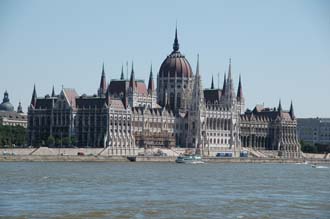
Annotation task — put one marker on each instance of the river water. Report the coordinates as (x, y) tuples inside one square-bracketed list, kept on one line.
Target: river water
[(162, 190)]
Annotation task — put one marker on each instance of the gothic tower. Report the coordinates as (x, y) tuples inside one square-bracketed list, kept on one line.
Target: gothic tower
[(151, 89), (132, 90), (196, 114), (229, 93), (240, 98)]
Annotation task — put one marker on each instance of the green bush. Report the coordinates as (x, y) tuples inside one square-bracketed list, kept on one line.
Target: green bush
[(58, 141), (309, 149), (66, 141), (51, 141), (73, 141)]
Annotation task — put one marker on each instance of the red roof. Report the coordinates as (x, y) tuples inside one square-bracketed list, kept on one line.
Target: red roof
[(141, 88), (71, 95)]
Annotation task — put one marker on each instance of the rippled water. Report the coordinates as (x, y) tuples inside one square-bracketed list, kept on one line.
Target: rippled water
[(163, 190)]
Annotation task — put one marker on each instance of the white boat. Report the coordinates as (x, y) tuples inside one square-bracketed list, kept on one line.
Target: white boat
[(319, 167), (193, 159), (304, 163)]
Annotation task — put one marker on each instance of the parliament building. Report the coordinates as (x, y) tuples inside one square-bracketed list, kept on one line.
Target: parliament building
[(128, 114)]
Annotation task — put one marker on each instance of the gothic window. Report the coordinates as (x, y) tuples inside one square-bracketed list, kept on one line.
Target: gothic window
[(172, 100), (178, 100)]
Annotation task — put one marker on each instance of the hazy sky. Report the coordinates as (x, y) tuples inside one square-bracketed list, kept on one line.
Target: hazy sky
[(281, 48)]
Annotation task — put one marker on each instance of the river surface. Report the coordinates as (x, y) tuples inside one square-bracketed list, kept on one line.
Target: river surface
[(162, 190)]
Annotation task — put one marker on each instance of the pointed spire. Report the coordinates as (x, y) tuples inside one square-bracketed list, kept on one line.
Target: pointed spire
[(229, 90), (122, 73), (197, 92), (103, 83), (103, 73), (292, 111), (239, 90), (279, 108), (176, 41), (197, 67), (212, 83), (34, 97), (53, 92), (132, 80), (151, 85), (229, 70), (224, 84)]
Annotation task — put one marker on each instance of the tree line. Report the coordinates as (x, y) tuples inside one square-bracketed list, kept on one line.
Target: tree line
[(16, 136), (12, 136), (314, 148)]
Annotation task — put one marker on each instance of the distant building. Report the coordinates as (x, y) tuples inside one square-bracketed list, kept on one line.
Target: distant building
[(314, 130), (8, 116), (126, 114)]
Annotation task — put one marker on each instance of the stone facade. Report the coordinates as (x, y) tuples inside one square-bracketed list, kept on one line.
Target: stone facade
[(153, 127), (127, 114), (266, 129), (52, 116)]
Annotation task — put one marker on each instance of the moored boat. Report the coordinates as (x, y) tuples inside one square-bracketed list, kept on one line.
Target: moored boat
[(191, 158)]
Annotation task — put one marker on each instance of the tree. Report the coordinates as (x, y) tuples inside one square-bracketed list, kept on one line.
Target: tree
[(51, 141), (66, 141), (309, 149), (73, 141), (12, 135), (58, 142)]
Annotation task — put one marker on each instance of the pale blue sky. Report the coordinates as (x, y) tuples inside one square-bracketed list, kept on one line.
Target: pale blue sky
[(281, 48)]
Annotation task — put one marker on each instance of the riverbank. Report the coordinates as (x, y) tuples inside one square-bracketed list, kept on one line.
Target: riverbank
[(59, 158), (72, 158), (103, 155)]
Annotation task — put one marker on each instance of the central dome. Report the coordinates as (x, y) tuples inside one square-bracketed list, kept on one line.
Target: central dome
[(175, 63)]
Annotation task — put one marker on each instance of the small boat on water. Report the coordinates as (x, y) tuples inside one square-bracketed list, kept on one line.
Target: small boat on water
[(319, 167), (304, 163), (191, 158)]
